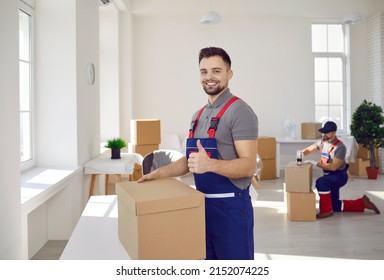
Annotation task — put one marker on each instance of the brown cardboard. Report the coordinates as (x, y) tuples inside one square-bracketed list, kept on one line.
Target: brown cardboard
[(364, 153), (267, 147), (161, 220), (137, 173), (301, 206), (268, 171), (298, 178), (142, 149), (310, 130), (357, 168), (145, 132)]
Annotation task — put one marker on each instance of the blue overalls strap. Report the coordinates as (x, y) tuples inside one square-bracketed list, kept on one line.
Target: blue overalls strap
[(214, 121)]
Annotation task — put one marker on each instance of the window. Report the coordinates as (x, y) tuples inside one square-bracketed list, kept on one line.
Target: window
[(329, 74), (26, 85)]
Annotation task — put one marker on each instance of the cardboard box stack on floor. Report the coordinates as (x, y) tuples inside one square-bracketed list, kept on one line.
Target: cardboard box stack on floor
[(310, 130), (161, 220), (357, 168), (145, 137), (300, 198), (267, 153)]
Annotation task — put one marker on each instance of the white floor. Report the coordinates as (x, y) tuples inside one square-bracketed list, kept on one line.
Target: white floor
[(343, 236)]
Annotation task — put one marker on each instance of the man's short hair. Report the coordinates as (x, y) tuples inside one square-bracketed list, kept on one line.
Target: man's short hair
[(215, 51)]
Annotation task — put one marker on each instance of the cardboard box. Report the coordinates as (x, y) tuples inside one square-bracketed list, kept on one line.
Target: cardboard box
[(137, 173), (364, 153), (310, 130), (301, 206), (268, 171), (357, 168), (298, 178), (142, 149), (145, 132), (161, 220), (267, 147)]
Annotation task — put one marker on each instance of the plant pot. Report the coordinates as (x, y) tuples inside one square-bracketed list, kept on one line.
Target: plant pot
[(372, 172), (115, 154)]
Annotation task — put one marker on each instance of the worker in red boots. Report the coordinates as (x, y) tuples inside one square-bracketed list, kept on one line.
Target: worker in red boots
[(335, 176)]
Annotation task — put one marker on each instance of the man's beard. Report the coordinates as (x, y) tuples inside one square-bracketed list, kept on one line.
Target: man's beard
[(326, 138), (214, 91)]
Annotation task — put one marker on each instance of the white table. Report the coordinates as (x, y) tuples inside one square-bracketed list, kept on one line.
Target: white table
[(96, 234), (103, 164), (286, 151), (351, 145)]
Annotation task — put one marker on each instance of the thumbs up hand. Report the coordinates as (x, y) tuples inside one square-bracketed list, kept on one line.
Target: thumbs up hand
[(199, 162), (200, 147)]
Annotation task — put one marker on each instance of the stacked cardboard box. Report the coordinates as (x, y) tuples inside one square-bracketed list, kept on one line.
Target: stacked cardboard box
[(267, 153), (161, 220), (145, 138), (145, 134), (310, 130), (300, 198), (357, 168)]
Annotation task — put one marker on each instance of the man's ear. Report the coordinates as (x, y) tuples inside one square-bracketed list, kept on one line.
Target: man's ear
[(230, 74)]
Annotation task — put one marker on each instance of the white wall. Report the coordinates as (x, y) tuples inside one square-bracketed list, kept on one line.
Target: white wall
[(109, 73), (271, 62), (125, 71), (268, 41), (10, 207), (68, 107), (115, 70), (67, 113), (87, 95), (56, 83)]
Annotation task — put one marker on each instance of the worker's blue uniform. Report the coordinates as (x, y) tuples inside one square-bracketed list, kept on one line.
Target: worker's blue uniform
[(229, 212)]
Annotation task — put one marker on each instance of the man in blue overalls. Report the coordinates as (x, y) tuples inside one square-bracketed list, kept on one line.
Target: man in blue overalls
[(335, 168), (221, 153)]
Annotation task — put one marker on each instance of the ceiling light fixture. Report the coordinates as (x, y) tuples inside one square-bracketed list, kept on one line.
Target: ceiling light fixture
[(353, 18), (210, 17)]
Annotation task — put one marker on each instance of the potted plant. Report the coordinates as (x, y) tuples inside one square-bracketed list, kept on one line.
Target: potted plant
[(116, 144), (368, 129)]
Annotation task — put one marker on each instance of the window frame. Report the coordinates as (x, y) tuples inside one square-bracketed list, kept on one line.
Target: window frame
[(344, 56), (27, 164)]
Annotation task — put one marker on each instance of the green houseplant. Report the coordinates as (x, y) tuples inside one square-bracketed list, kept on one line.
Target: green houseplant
[(116, 144), (368, 129)]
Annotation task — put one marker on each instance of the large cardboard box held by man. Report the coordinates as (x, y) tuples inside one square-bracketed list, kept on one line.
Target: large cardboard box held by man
[(161, 220)]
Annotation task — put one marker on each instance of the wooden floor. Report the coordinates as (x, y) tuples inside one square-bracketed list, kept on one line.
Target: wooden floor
[(343, 236)]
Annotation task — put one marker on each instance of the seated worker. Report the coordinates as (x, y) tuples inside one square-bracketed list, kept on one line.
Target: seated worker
[(335, 176)]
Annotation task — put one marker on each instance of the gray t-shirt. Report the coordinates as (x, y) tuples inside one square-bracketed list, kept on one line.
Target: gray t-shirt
[(239, 122), (339, 151)]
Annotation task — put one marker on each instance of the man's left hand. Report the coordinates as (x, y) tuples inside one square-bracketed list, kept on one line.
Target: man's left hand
[(198, 162)]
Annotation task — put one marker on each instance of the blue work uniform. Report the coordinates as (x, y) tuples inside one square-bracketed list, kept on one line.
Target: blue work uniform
[(229, 212), (332, 181)]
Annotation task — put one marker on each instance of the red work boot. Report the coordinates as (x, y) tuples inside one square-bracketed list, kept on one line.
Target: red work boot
[(368, 204), (325, 204), (356, 205)]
